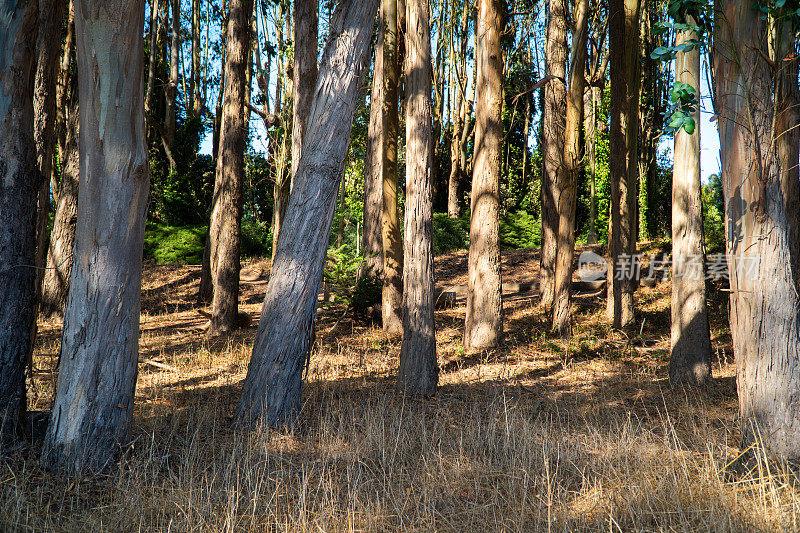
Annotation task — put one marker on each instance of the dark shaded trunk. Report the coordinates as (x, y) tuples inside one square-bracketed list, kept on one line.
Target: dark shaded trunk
[(419, 370), (273, 387), (460, 111), (226, 215), (99, 348), (484, 320), (20, 181), (690, 341), (624, 50)]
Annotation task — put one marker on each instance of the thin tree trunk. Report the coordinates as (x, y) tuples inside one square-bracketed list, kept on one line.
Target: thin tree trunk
[(20, 181), (60, 253), (99, 349), (484, 321), (171, 88), (459, 119), (195, 101), (419, 370), (623, 43), (554, 114), (690, 360), (151, 66), (392, 299), (765, 307), (562, 301), (226, 215), (371, 239), (273, 387)]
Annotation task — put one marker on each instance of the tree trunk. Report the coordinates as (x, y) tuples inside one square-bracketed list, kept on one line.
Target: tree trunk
[(60, 253), (484, 321), (554, 114), (20, 179), (419, 370), (171, 88), (392, 299), (99, 349), (371, 239), (459, 120), (305, 70), (272, 389), (765, 307), (562, 300), (226, 215), (195, 100), (624, 49), (690, 360), (151, 64)]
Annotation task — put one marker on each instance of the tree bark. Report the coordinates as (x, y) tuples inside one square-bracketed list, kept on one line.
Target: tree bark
[(305, 71), (457, 156), (371, 239), (419, 370), (273, 387), (392, 298), (226, 216), (554, 114), (99, 349), (60, 252), (484, 321), (562, 300), (624, 49), (690, 341), (765, 307), (20, 181)]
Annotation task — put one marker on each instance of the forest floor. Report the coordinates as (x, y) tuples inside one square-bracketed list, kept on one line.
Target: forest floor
[(543, 434)]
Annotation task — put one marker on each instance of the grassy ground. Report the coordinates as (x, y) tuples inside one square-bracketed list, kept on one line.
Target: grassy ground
[(544, 434)]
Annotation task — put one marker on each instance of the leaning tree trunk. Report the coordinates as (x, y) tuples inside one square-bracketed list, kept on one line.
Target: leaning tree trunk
[(392, 231), (562, 299), (371, 239), (419, 370), (305, 70), (690, 359), (55, 284), (99, 349), (226, 215), (554, 114), (273, 387), (484, 321), (765, 307), (20, 181), (623, 47)]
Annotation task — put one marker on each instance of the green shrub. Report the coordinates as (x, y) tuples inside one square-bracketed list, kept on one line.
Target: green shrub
[(172, 244), (519, 229), (450, 234), (713, 216), (256, 238)]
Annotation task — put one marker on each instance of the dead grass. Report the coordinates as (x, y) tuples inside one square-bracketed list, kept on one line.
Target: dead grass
[(543, 435)]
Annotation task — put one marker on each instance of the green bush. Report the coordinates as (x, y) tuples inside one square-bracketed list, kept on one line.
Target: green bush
[(450, 234), (519, 229), (713, 215), (174, 244), (256, 238)]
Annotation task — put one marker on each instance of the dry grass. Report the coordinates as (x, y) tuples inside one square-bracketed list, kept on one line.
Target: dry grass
[(544, 435)]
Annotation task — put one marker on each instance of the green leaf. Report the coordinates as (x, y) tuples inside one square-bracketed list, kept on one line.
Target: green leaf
[(689, 125)]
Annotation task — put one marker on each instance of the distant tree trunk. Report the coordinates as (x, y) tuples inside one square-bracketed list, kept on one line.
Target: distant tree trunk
[(151, 64), (459, 120), (283, 179), (392, 231), (554, 114), (272, 389), (99, 349), (371, 239), (171, 88), (226, 215), (484, 322), (20, 181), (624, 51), (765, 307), (690, 360), (562, 300), (60, 253), (195, 99), (305, 70), (419, 370)]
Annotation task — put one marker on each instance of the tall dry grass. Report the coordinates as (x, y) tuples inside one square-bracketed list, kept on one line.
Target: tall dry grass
[(541, 436)]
